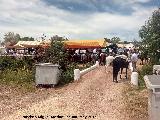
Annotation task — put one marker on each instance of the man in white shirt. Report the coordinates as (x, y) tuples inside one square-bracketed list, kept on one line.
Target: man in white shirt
[(134, 59)]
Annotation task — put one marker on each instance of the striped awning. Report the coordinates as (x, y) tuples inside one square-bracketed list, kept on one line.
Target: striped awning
[(85, 43), (28, 43)]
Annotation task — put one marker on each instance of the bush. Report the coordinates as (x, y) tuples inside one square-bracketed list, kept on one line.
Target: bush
[(67, 76), (22, 78), (8, 62), (16, 72), (146, 70)]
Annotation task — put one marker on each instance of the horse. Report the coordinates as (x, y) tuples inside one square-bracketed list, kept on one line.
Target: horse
[(102, 59), (124, 64), (118, 64)]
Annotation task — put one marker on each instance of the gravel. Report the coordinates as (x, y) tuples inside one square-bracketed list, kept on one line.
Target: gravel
[(94, 96)]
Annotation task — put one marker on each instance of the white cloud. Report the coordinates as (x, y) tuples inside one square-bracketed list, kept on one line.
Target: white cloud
[(129, 2), (32, 18)]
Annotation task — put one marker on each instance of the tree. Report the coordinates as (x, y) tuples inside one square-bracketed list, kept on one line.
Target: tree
[(56, 52), (58, 38), (125, 42), (136, 43), (115, 40), (11, 38), (150, 35), (27, 39), (107, 40)]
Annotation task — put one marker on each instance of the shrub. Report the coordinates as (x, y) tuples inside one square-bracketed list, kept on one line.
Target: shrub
[(16, 72), (8, 62), (22, 78), (146, 70), (67, 75), (56, 52)]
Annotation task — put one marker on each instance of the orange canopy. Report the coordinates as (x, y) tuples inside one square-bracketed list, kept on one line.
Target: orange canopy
[(85, 43)]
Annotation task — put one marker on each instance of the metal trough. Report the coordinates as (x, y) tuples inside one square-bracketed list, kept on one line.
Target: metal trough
[(153, 84), (47, 74)]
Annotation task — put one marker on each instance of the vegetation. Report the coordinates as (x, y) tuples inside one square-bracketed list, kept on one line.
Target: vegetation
[(150, 44), (146, 70), (150, 36), (115, 40), (19, 73), (11, 38), (27, 39), (22, 78), (56, 54), (136, 102)]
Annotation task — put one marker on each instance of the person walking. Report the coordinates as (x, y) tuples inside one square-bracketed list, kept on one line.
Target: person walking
[(134, 59)]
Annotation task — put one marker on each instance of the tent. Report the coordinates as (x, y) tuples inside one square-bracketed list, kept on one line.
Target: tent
[(27, 44), (121, 45), (18, 46), (130, 45), (85, 44)]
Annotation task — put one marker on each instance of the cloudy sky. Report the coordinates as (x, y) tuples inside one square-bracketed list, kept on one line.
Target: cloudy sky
[(75, 19)]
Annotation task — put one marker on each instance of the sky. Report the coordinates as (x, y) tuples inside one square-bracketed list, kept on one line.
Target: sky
[(75, 19)]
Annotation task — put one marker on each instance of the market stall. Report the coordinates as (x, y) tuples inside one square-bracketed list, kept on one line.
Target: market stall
[(76, 44)]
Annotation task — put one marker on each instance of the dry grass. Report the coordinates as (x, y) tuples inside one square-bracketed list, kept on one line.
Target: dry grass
[(135, 99), (136, 107)]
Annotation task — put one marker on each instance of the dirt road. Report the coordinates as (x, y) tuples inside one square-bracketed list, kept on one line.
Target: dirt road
[(94, 97)]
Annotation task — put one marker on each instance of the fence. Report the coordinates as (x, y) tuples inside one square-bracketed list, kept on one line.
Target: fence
[(78, 73)]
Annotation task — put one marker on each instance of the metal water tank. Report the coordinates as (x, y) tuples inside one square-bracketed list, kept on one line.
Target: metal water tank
[(47, 73)]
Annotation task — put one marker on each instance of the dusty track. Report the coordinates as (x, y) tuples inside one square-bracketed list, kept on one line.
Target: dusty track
[(94, 95)]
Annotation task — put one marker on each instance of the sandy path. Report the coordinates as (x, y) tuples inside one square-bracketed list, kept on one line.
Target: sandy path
[(94, 95)]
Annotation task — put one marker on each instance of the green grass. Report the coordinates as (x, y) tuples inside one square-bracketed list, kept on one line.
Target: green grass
[(146, 70), (22, 79)]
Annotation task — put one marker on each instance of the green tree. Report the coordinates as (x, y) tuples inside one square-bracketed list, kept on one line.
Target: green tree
[(11, 38), (136, 43), (150, 35), (115, 40), (56, 52), (27, 39), (107, 40), (125, 42)]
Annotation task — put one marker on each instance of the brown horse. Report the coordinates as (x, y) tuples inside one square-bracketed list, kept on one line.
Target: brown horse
[(102, 59)]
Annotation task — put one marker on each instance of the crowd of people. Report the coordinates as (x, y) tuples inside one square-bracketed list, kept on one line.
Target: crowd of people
[(118, 57)]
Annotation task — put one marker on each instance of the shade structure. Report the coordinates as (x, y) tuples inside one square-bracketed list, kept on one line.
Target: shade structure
[(121, 45), (18, 46), (129, 46), (85, 43), (28, 43)]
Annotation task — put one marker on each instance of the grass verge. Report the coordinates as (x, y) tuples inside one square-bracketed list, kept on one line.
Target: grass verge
[(19, 78), (136, 100)]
